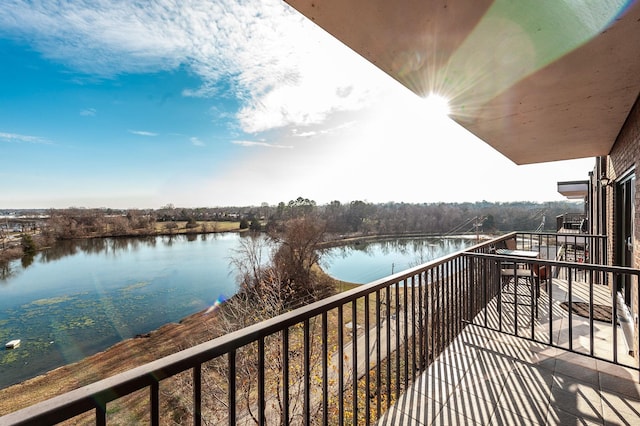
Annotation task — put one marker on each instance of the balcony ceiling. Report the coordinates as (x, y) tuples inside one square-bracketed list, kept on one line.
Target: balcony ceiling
[(538, 81)]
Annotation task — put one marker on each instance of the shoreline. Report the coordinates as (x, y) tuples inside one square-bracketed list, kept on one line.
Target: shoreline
[(14, 252), (141, 349), (125, 355), (122, 356)]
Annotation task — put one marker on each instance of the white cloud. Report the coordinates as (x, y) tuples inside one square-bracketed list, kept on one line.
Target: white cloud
[(142, 133), (17, 138), (277, 59), (304, 134), (402, 154), (196, 142), (88, 112), (261, 144)]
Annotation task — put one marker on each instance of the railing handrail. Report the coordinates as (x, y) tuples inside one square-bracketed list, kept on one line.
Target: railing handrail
[(564, 234), (574, 265)]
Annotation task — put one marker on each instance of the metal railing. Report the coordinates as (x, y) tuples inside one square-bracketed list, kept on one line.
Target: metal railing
[(341, 360), (570, 221), (581, 248), (572, 308), (305, 364)]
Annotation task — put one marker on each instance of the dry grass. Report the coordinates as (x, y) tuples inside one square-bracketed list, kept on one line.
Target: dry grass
[(120, 357), (211, 226), (126, 355)]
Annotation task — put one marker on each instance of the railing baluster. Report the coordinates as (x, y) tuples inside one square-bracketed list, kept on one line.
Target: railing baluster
[(413, 328), (591, 339), (429, 302), (499, 273), (614, 317), (469, 288), (340, 366), (388, 358), (637, 287), (439, 313), (515, 298), (231, 362), (307, 372), (261, 383), (285, 376), (367, 361), (378, 356), (485, 296), (101, 413), (354, 361), (405, 340), (197, 395), (458, 296), (435, 305), (534, 301), (325, 369), (550, 305), (154, 391), (570, 291), (397, 333), (450, 308), (421, 324)]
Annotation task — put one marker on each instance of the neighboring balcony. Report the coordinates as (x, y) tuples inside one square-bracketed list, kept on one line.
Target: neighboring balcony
[(477, 337)]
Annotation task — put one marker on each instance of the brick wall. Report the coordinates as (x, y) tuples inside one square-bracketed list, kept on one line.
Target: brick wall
[(624, 156)]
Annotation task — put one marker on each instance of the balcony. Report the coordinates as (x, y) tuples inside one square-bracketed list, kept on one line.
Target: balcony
[(474, 337)]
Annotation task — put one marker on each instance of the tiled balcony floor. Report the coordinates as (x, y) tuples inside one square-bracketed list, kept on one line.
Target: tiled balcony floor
[(490, 378)]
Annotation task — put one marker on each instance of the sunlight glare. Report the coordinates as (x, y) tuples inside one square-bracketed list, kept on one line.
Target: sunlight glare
[(437, 106)]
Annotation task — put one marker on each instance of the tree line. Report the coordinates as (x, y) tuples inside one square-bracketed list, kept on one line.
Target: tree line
[(352, 217)]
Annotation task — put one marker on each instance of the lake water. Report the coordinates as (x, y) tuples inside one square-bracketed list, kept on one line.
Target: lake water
[(81, 297), (368, 261)]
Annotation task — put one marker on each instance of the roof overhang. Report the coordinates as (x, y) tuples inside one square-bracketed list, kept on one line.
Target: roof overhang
[(538, 81), (577, 189)]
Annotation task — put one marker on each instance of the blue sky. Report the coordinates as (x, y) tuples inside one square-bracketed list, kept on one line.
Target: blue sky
[(215, 103)]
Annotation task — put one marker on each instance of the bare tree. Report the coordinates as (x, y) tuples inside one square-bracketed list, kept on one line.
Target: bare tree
[(298, 252)]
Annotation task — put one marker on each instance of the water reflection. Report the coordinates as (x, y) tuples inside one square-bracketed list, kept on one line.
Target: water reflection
[(363, 262), (6, 271), (80, 297)]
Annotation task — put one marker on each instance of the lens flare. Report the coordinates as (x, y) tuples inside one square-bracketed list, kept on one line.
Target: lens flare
[(437, 105), (219, 301)]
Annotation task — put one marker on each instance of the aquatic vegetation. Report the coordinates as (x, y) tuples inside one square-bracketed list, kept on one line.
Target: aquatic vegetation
[(135, 286), (51, 301)]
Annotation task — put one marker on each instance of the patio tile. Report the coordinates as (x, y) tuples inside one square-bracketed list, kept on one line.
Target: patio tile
[(450, 417), (412, 408), (536, 383), (503, 416), (472, 406), (491, 378), (434, 388), (619, 409), (492, 367), (558, 417), (580, 372), (485, 388), (580, 401), (617, 370), (539, 361), (445, 372), (527, 402), (627, 388), (578, 359), (457, 360)]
